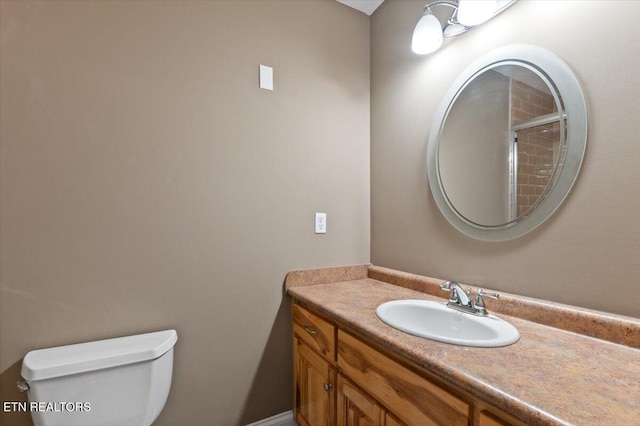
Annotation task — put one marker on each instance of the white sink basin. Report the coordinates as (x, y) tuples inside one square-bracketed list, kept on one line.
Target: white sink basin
[(436, 321)]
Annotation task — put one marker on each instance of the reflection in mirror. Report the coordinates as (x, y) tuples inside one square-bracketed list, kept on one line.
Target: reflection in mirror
[(539, 155), (501, 145)]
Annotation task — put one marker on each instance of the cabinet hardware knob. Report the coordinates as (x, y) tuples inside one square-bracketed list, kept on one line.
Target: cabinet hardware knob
[(327, 386), (310, 330)]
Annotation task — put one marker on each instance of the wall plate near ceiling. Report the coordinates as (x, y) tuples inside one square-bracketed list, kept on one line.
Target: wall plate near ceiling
[(364, 6)]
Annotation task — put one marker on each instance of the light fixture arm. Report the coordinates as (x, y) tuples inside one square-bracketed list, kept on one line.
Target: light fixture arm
[(441, 3), (454, 6)]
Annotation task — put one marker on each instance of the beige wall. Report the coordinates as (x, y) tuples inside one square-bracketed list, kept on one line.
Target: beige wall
[(147, 183), (587, 253)]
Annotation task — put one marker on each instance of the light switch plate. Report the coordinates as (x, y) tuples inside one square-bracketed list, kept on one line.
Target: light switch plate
[(321, 223), (266, 77)]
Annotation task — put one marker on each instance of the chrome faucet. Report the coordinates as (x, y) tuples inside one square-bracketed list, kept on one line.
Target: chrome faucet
[(460, 300)]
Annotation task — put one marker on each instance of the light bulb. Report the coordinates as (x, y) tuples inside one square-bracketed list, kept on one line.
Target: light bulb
[(427, 36), (475, 12), (454, 29)]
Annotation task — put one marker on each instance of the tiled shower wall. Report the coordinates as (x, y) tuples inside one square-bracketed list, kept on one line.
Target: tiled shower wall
[(537, 146)]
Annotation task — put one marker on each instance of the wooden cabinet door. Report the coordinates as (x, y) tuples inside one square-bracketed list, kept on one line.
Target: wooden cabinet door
[(314, 393), (355, 408), (392, 421)]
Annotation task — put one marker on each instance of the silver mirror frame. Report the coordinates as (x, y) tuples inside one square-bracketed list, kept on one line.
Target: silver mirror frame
[(570, 92)]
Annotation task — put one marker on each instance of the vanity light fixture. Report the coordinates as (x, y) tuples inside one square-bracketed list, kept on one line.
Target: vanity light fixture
[(428, 35)]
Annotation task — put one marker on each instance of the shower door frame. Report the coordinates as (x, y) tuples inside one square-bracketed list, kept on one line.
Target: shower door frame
[(513, 155)]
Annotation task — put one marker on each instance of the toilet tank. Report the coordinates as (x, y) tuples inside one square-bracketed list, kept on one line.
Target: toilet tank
[(114, 382)]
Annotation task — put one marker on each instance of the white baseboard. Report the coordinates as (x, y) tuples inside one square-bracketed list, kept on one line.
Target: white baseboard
[(282, 419)]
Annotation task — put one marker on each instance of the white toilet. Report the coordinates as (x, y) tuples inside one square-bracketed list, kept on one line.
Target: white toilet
[(115, 382)]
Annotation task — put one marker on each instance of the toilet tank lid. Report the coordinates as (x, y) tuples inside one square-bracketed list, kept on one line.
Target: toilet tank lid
[(60, 361)]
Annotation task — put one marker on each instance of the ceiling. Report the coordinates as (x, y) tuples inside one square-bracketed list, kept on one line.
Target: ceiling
[(364, 6)]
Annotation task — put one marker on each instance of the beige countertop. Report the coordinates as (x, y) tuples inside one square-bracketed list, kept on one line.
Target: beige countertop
[(550, 376)]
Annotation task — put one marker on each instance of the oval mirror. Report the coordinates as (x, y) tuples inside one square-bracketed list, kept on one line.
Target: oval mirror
[(507, 142)]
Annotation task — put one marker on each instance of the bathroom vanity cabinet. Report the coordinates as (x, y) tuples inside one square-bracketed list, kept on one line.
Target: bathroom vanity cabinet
[(342, 379), (570, 366)]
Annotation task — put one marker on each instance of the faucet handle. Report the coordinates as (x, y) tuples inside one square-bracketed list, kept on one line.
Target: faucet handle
[(478, 303), (453, 287), (447, 285), (458, 295), (482, 293)]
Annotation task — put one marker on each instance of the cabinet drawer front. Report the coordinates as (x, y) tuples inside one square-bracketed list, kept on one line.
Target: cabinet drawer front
[(314, 331), (412, 398)]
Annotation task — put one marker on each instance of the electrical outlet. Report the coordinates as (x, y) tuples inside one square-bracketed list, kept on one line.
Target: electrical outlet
[(321, 223)]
